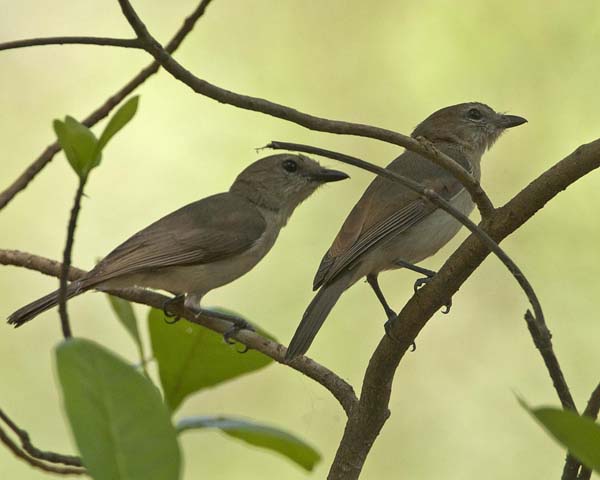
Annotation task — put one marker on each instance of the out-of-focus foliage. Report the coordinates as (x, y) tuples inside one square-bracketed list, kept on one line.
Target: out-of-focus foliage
[(387, 63), (120, 423), (579, 435), (263, 436), (191, 358)]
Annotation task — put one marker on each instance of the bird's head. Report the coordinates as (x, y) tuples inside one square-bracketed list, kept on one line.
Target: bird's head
[(473, 125), (281, 182)]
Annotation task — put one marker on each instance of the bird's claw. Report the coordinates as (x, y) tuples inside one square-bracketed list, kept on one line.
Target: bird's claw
[(424, 281), (167, 313), (388, 333), (235, 328)]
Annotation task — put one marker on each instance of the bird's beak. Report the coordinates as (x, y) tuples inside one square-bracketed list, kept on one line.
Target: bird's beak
[(327, 175), (509, 121)]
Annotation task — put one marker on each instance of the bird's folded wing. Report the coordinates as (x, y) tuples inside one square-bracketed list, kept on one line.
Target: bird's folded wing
[(343, 254), (203, 232)]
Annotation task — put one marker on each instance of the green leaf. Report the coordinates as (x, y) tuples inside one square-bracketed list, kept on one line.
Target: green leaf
[(124, 312), (191, 358), (118, 121), (259, 435), (121, 426), (580, 435), (79, 144)]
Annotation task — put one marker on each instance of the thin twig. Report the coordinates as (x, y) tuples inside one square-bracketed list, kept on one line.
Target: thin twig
[(101, 41), (62, 289), (101, 112), (34, 462), (440, 202), (311, 122), (339, 388), (35, 452)]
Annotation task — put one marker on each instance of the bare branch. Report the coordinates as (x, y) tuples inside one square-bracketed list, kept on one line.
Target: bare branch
[(339, 388), (311, 122), (35, 452), (101, 41), (370, 414), (62, 289), (48, 154)]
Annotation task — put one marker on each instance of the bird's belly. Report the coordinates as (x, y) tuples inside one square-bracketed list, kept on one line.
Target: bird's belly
[(420, 241)]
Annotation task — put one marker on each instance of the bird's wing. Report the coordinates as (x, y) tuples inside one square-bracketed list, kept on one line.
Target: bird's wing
[(202, 232), (385, 209)]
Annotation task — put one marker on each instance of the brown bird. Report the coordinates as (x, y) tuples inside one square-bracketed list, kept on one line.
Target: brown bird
[(393, 227), (208, 243)]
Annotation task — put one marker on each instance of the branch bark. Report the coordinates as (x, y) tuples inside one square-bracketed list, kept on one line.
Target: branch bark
[(369, 416), (100, 41), (35, 452), (340, 389), (101, 112)]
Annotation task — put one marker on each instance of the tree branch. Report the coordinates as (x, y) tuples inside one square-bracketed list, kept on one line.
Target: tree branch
[(101, 41), (13, 447), (311, 122), (51, 150), (62, 289), (35, 452), (367, 419), (341, 390)]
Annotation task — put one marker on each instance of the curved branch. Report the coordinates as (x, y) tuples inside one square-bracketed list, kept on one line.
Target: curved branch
[(36, 452), (370, 414), (101, 41), (311, 122), (340, 389), (51, 150)]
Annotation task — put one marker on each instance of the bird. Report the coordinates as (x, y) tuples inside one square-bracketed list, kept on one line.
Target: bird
[(208, 243), (393, 227)]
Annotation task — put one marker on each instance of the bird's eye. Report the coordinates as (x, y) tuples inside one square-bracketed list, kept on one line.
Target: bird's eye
[(474, 114), (290, 166)]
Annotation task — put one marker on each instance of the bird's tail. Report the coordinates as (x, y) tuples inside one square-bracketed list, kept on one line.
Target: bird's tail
[(33, 309), (315, 315)]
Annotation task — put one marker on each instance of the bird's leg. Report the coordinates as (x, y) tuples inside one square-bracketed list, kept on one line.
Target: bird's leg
[(372, 280), (423, 281), (192, 303), (167, 304)]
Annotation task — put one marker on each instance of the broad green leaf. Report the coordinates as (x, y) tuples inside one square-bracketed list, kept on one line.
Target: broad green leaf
[(580, 435), (79, 145), (259, 435), (191, 358), (118, 121), (124, 312), (121, 425)]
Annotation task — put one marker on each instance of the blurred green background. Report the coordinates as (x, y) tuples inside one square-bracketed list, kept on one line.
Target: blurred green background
[(387, 63)]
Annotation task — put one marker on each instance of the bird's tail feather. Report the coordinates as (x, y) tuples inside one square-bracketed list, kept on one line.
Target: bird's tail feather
[(314, 316), (33, 309)]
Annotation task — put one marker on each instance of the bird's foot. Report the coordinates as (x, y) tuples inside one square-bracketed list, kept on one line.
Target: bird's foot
[(424, 281), (238, 324), (388, 331), (165, 307)]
